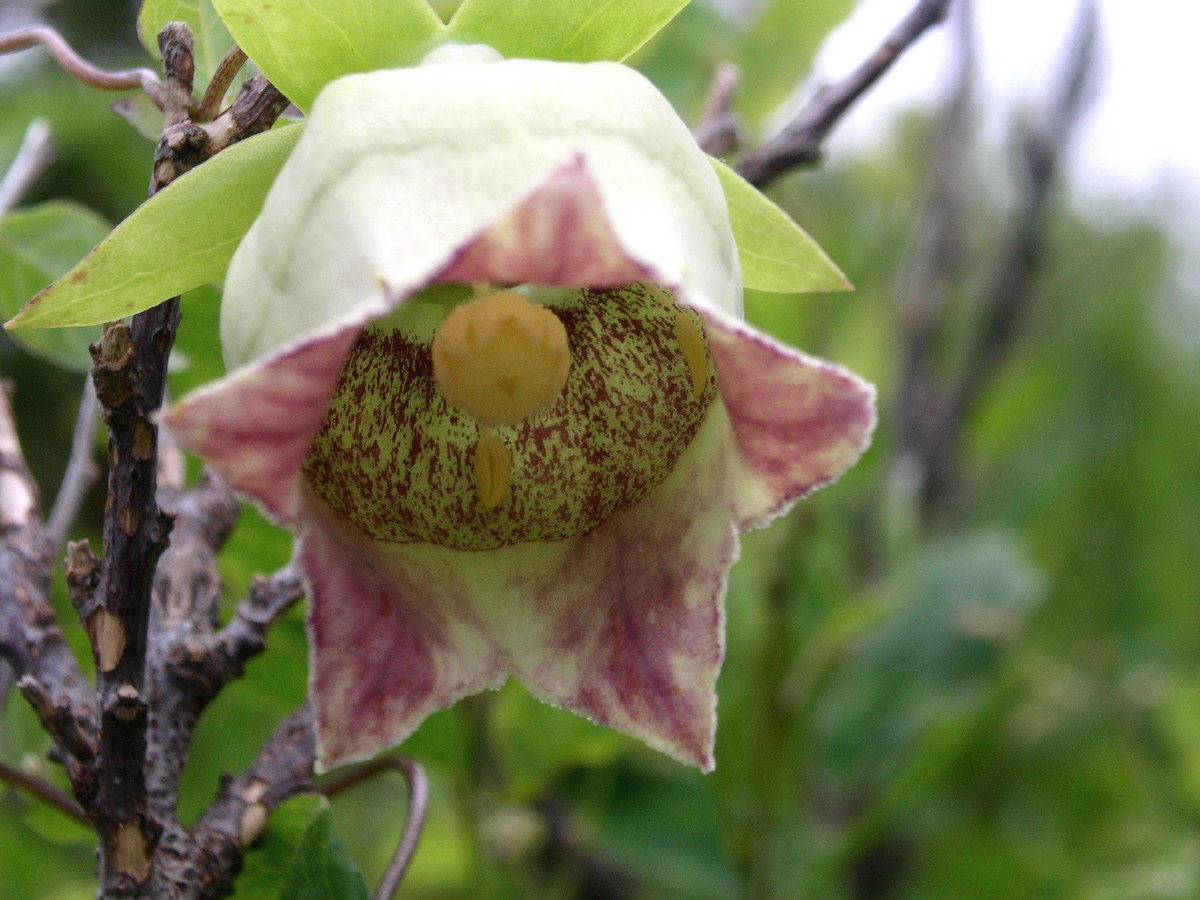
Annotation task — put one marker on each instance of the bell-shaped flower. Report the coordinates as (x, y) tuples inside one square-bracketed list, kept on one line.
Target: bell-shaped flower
[(486, 357)]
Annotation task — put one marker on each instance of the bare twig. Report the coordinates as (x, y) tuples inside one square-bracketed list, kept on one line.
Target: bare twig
[(43, 790), (414, 822), (34, 155), (255, 109), (130, 377), (79, 68), (81, 472), (799, 144)]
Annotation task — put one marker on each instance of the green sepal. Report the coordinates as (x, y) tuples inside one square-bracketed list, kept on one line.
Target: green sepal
[(180, 238), (301, 45), (776, 254), (37, 245), (579, 31)]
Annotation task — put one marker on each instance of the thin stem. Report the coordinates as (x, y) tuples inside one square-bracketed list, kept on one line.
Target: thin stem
[(79, 68), (219, 85), (418, 803), (81, 472), (44, 791), (34, 155)]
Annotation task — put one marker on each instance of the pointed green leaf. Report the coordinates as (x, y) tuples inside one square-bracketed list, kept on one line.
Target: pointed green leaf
[(38, 245), (181, 237), (578, 31), (212, 38), (773, 68), (301, 45), (300, 858), (777, 255)]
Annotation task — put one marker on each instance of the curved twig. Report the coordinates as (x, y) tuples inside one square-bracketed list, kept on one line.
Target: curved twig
[(418, 802), (79, 68)]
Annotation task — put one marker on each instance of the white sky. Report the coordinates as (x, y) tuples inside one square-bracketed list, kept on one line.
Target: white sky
[(1142, 137)]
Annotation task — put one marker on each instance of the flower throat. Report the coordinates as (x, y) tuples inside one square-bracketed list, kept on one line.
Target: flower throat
[(515, 421)]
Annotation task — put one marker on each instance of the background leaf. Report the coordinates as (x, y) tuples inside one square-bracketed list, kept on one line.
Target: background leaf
[(212, 39), (770, 76), (37, 245), (300, 858), (180, 238), (579, 31), (301, 46), (777, 255)]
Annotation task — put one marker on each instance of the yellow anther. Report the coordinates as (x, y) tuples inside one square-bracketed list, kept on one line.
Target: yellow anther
[(501, 358), (493, 470), (660, 295), (691, 342)]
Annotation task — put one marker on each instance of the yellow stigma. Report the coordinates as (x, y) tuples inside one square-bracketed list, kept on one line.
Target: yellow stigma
[(501, 358)]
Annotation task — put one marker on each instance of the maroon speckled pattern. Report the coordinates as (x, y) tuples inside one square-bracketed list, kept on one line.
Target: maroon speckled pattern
[(393, 457)]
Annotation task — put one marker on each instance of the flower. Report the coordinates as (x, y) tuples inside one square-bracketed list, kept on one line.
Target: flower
[(486, 357)]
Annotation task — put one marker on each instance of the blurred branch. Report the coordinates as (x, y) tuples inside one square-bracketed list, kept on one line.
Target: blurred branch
[(79, 68), (81, 472), (1044, 143), (720, 132), (935, 431), (936, 259), (414, 822), (35, 154), (799, 143), (43, 790)]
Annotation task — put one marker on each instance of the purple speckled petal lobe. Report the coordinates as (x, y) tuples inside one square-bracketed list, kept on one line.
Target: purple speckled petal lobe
[(623, 625), (798, 422), (389, 644), (256, 426), (632, 614)]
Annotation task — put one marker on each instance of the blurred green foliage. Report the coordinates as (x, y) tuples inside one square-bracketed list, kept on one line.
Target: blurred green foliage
[(998, 702)]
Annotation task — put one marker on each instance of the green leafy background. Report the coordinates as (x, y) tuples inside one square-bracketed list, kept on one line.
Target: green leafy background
[(1001, 701)]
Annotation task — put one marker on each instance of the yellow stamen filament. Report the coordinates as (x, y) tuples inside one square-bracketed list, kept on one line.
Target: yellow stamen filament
[(501, 358), (493, 470), (691, 342)]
